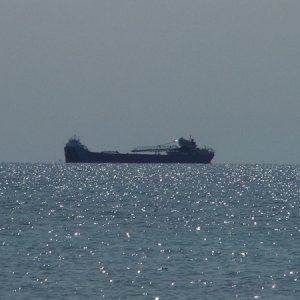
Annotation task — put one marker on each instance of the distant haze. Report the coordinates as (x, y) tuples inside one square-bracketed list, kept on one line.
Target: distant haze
[(122, 74)]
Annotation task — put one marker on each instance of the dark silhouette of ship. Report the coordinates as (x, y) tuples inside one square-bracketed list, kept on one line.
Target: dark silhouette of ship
[(179, 151)]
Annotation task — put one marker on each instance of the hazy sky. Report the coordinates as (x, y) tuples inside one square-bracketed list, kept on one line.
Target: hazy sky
[(124, 73)]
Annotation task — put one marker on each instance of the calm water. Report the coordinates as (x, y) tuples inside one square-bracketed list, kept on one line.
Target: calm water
[(149, 231)]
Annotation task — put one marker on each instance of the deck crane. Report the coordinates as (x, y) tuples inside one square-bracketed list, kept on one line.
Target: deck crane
[(179, 145)]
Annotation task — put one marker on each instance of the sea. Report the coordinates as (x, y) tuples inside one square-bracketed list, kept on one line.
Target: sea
[(149, 231)]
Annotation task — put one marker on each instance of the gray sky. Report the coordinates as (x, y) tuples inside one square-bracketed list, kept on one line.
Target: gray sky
[(124, 73)]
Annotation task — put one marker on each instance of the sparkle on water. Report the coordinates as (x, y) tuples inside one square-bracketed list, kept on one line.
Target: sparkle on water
[(149, 231)]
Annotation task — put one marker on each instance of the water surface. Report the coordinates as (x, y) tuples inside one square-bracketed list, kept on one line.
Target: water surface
[(119, 231)]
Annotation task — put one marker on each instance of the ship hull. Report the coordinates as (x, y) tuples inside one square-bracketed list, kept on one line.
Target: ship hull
[(73, 155)]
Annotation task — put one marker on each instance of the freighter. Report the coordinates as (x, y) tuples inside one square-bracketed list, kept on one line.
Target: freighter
[(179, 151)]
